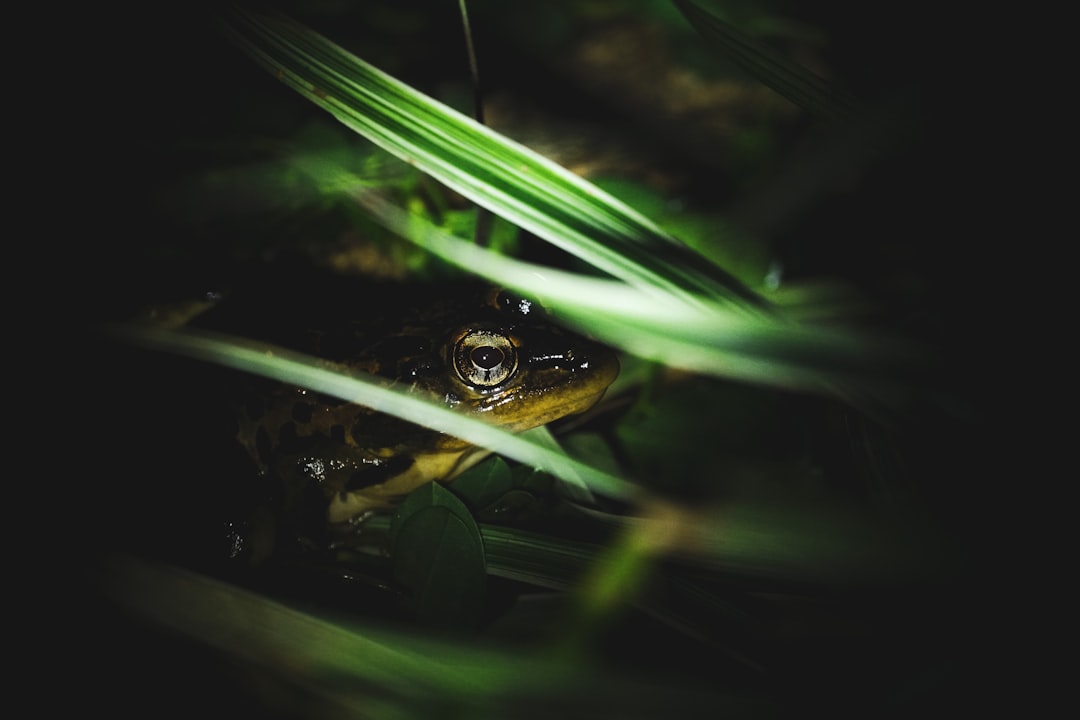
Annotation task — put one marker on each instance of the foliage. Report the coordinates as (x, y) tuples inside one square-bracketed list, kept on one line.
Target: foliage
[(705, 502)]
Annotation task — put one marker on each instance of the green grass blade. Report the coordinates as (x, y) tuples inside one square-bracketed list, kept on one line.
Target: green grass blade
[(671, 305), (377, 672), (305, 371), (695, 334), (302, 645), (493, 171)]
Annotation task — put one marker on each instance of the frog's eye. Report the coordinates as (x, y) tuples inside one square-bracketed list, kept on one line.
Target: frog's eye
[(484, 358)]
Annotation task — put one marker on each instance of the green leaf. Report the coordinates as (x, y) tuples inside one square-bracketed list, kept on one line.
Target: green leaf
[(439, 555), (510, 508), (484, 484)]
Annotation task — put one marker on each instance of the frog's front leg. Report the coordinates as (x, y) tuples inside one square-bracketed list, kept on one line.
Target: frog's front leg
[(379, 483)]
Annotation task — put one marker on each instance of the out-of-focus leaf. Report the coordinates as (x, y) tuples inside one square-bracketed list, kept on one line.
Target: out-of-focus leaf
[(788, 78), (866, 127)]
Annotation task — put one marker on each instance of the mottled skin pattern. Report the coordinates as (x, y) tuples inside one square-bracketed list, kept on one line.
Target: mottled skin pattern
[(484, 353)]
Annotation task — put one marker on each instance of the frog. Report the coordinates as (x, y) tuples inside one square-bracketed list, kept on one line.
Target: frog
[(482, 351)]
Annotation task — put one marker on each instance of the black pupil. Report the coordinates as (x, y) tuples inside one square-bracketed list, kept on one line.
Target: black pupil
[(486, 357)]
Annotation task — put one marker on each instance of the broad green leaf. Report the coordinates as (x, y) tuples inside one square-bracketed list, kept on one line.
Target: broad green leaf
[(439, 556), (484, 484), (511, 507), (424, 498)]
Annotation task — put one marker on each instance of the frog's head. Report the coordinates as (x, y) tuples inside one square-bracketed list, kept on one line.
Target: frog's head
[(521, 377), (499, 358), (511, 365)]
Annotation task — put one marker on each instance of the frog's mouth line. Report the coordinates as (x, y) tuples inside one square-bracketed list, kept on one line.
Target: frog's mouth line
[(552, 412)]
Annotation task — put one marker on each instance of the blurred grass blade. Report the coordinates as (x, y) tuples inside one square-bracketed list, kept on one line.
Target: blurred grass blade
[(309, 372), (366, 671), (694, 334), (832, 544), (335, 658), (498, 174), (669, 306), (789, 79)]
